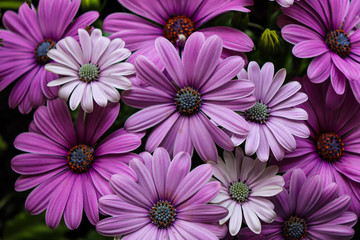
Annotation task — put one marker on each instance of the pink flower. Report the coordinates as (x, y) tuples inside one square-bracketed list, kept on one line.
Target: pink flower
[(166, 202), (91, 70), (189, 102)]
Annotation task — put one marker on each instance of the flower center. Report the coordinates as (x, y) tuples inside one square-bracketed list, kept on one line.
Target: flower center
[(41, 51), (338, 41), (162, 214), (80, 158), (188, 101), (89, 72), (178, 27), (259, 113), (239, 191), (330, 147), (294, 228)]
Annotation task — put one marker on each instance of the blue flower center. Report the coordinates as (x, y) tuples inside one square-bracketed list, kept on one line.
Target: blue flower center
[(294, 228), (80, 158), (178, 27), (239, 191), (41, 51), (259, 113), (338, 41), (162, 214), (330, 147), (188, 101), (89, 72)]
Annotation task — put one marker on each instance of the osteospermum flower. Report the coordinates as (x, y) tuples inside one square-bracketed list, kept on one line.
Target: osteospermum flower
[(91, 70), (333, 148), (68, 167), (181, 102), (274, 119), (167, 201), (176, 20), (307, 209), (245, 184), (326, 30), (28, 38)]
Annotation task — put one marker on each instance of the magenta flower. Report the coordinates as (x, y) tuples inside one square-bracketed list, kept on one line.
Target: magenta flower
[(308, 210), (90, 70), (245, 184), (190, 101), (28, 38), (175, 20), (274, 119), (326, 30), (333, 148), (68, 167), (167, 201)]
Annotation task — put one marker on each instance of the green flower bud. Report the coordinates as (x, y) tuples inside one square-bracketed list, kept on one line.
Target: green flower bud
[(270, 42)]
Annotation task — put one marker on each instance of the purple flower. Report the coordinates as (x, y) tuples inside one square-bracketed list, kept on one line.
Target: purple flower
[(333, 148), (166, 202), (176, 20), (68, 167), (308, 210), (28, 38), (274, 119), (180, 102), (245, 184), (325, 30), (90, 70)]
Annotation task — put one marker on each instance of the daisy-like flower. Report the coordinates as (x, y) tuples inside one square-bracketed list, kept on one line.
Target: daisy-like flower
[(167, 201), (68, 167), (274, 119), (27, 39), (190, 101), (333, 148), (326, 31), (91, 70), (285, 3), (307, 209), (245, 184), (176, 20)]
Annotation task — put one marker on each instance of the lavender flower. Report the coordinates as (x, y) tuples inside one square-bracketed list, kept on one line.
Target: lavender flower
[(332, 150), (90, 70), (167, 201), (245, 184), (325, 30), (176, 20), (68, 167), (185, 102), (307, 210), (274, 119), (28, 38)]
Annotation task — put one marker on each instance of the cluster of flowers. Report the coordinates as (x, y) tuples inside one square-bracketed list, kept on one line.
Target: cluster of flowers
[(196, 90)]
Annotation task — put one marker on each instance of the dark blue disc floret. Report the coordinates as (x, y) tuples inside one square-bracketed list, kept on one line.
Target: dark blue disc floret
[(162, 214), (338, 41), (188, 101), (294, 228), (329, 146), (41, 51), (80, 158)]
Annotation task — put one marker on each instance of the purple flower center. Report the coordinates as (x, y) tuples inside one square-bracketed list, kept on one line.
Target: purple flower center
[(338, 41), (259, 113), (41, 51), (188, 101), (80, 158), (89, 72), (330, 147), (162, 214), (239, 191), (177, 28), (294, 228)]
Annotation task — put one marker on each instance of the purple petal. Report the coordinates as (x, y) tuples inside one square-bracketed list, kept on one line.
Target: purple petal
[(74, 207), (295, 34), (282, 135), (118, 144), (113, 205), (190, 230), (310, 48), (142, 97), (90, 199), (160, 167), (338, 80), (204, 195), (182, 137), (119, 225), (319, 68), (212, 213), (309, 196), (82, 21), (253, 139)]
